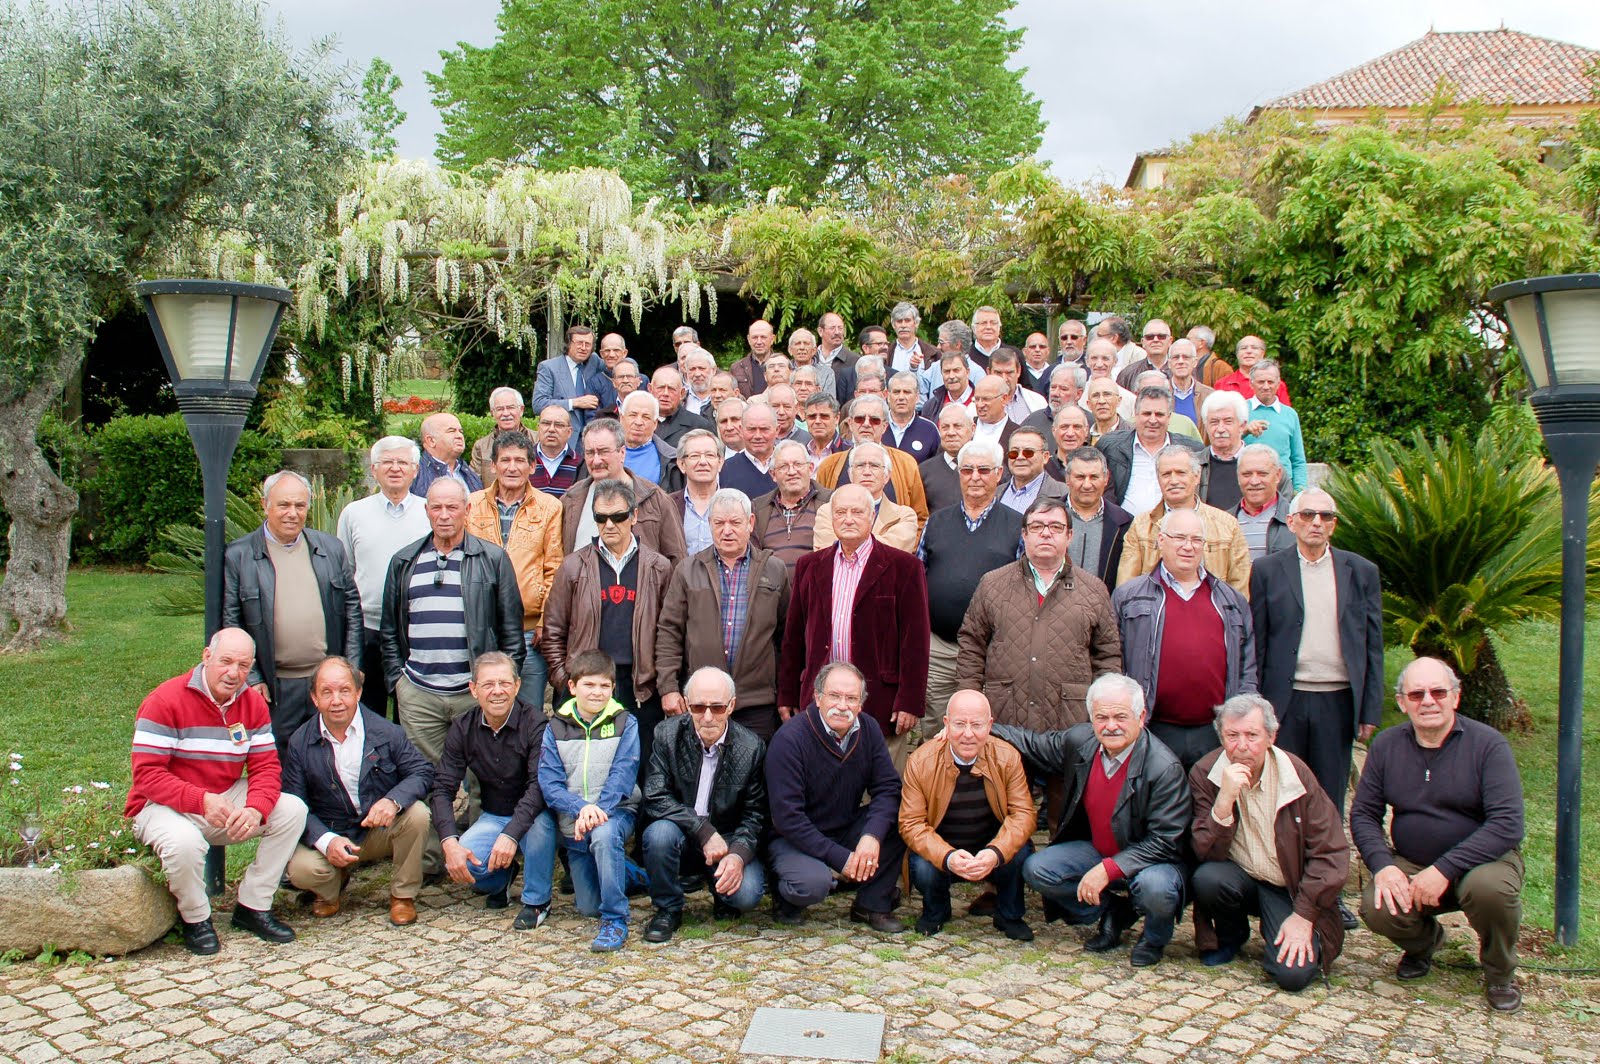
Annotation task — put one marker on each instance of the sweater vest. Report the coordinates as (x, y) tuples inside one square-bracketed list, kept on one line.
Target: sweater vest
[(956, 560)]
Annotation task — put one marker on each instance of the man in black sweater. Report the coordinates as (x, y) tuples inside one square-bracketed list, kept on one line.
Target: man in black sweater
[(1453, 844), (819, 765)]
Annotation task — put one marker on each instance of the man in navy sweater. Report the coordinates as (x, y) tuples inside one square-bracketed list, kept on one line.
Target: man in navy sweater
[(819, 765)]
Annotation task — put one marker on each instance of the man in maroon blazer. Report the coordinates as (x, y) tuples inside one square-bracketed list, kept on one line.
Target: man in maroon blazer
[(864, 602)]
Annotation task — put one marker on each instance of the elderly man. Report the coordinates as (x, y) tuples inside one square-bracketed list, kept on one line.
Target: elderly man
[(725, 608), (206, 773), (1271, 845), (940, 482), (959, 545), (1188, 394), (805, 385), (1132, 455), (698, 369), (1039, 630), (1275, 423), (989, 403), (700, 457), (822, 425), (613, 349), (802, 348), (956, 373), (1102, 398), (1064, 384), (751, 469), (831, 348), (1186, 639), (749, 373), (730, 424), (1223, 416), (443, 443), (723, 388), (866, 603), (1209, 367), (986, 337), (293, 590), (505, 407), (706, 782), (645, 454), (1249, 351), (1115, 853), (1453, 841), (666, 384), (447, 598), (525, 523), (1100, 362), (1099, 526), (869, 417), (820, 766), (1157, 339), (1178, 424), (363, 784), (786, 519), (371, 530), (917, 436), (656, 523), (908, 351), (1227, 556), (1020, 402), (1116, 331), (1072, 336), (1070, 430), (1263, 510), (556, 465), (892, 523), (1036, 364), (776, 370), (966, 813), (608, 595), (579, 381), (785, 404), (684, 336), (626, 378), (1026, 480)]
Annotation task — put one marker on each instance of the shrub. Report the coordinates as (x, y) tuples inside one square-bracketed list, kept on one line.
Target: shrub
[(1343, 414), (473, 426)]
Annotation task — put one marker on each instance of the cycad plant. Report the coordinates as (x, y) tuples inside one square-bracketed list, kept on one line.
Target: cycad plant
[(1467, 536)]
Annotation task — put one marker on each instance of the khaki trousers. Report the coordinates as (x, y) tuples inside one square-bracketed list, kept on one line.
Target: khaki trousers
[(426, 717), (182, 840), (941, 686), (900, 749), (1490, 895), (403, 840)]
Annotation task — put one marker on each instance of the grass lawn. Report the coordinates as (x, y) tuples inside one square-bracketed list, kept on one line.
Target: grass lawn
[(69, 710), (425, 387)]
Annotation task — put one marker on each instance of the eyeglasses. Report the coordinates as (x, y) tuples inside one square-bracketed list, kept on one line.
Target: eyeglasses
[(709, 709), (604, 452), (1327, 516), (1192, 541), (867, 464), (975, 470), (1055, 528), (1414, 698), (791, 467), (611, 519), (867, 419), (1021, 452), (395, 463), (1158, 336), (853, 701)]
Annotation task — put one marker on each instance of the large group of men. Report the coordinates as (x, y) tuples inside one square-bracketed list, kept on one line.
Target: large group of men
[(834, 619)]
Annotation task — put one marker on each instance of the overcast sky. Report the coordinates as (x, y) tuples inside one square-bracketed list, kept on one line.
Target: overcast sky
[(1107, 91)]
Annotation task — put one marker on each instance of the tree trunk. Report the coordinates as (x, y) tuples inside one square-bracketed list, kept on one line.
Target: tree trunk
[(33, 595), (1486, 693)]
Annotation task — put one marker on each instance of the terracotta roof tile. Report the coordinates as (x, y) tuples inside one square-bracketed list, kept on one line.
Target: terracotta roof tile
[(1497, 66)]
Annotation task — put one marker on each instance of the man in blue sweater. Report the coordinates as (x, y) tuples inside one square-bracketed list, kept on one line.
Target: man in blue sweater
[(819, 765)]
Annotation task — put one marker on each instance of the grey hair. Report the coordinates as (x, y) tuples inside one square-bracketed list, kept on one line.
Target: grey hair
[(1232, 400), (1240, 706), (1088, 418), (743, 406), (696, 354), (711, 672), (776, 359), (1161, 526), (1299, 497), (870, 364), (1090, 347), (979, 449), (986, 307), (1161, 382), (726, 497), (268, 484), (905, 310), (856, 404), (905, 375), (1400, 681), (490, 658), (685, 331), (394, 443), (808, 372), (1178, 450), (800, 330), (966, 415), (1262, 450), (216, 639), (615, 489), (862, 448), (628, 362), (701, 434), (634, 398), (1080, 376), (1265, 363), (957, 331), (504, 390), (832, 667), (1187, 343), (1205, 334), (790, 443), (667, 374), (1163, 394), (608, 425), (1115, 681)]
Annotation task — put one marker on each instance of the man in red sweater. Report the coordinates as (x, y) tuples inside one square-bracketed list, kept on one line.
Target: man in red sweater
[(205, 773)]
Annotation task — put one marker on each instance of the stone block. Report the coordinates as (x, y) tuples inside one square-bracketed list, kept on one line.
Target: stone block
[(112, 911)]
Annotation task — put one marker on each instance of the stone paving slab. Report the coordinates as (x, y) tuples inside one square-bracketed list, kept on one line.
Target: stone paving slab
[(461, 986)]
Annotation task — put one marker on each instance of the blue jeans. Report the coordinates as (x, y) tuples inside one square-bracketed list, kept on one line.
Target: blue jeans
[(934, 885), (670, 864), (1156, 892), (535, 673), (480, 839), (599, 865)]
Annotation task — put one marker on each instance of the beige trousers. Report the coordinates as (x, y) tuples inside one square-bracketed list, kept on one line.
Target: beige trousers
[(402, 840)]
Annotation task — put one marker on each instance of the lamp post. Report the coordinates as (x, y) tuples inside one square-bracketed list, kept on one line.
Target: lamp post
[(1556, 324), (214, 337)]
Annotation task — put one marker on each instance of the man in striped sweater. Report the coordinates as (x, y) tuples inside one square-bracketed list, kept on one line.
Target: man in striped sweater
[(205, 773)]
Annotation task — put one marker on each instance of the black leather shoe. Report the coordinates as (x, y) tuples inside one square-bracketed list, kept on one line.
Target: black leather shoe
[(662, 925), (497, 900), (261, 924), (1503, 997), (884, 923), (721, 910), (1145, 954), (1350, 920), (1109, 936), (1416, 965), (787, 914), (200, 938), (928, 925), (1015, 930)]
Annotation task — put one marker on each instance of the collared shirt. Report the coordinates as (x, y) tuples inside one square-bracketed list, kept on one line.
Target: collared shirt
[(959, 761), (1109, 764), (1023, 403), (897, 430), (735, 603), (1255, 528), (841, 741), (197, 682), (1171, 581), (1042, 581), (1144, 489), (505, 763), (847, 572), (1084, 547), (711, 757), (299, 538), (617, 562), (347, 763), (900, 357), (1019, 499), (1256, 812), (550, 464), (696, 524), (982, 430), (508, 514), (1183, 403)]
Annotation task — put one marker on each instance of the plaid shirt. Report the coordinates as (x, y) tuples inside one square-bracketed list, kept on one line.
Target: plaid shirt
[(735, 603), (846, 577)]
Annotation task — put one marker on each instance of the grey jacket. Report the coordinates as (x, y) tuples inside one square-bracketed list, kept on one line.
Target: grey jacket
[(249, 587), (1140, 606)]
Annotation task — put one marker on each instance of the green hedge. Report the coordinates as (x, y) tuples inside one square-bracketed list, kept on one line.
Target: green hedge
[(473, 426)]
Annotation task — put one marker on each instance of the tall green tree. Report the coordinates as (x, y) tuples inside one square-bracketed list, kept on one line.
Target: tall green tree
[(714, 100), (380, 115), (135, 134)]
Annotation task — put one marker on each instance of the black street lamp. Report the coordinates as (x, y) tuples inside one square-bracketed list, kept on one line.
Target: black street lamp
[(1556, 324), (214, 336)]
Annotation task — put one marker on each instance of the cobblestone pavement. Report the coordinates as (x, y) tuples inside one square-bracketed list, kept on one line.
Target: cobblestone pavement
[(461, 986)]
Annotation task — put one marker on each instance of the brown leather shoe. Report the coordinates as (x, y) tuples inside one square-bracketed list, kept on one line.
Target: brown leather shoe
[(322, 909), (402, 911), (1504, 997)]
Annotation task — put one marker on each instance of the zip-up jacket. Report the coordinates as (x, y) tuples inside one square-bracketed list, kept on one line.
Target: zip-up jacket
[(590, 763)]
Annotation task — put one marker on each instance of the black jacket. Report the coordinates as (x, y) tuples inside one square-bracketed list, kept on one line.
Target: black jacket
[(1153, 811), (391, 768), (672, 429), (1118, 449), (738, 790), (489, 595), (249, 584)]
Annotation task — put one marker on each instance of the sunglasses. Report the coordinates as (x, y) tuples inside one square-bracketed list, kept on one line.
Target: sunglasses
[(709, 709), (975, 470), (611, 519), (1158, 336), (867, 419), (1414, 698), (1328, 516), (438, 578), (1021, 452)]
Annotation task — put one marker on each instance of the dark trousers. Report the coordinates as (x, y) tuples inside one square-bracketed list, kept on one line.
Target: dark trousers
[(374, 691), (800, 879), (291, 707), (1491, 896), (1189, 743), (1319, 728), (1230, 898), (934, 885), (763, 720), (646, 715)]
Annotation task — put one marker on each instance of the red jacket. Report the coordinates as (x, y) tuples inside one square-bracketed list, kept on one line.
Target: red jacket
[(888, 633), (182, 749)]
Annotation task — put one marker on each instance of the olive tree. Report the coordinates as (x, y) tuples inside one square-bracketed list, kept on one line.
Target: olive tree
[(136, 134)]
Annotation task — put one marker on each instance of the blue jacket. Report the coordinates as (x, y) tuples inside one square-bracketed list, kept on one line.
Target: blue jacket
[(553, 383), (391, 767), (430, 469)]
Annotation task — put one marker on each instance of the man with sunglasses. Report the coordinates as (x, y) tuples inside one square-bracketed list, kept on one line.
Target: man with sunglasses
[(1026, 480), (1072, 340), (1156, 339), (1453, 844), (1318, 615), (705, 782)]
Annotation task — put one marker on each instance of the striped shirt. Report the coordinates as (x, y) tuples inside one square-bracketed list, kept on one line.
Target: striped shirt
[(735, 603), (1255, 528), (847, 572), (440, 660)]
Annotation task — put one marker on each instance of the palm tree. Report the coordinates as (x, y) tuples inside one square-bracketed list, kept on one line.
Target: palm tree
[(1467, 536)]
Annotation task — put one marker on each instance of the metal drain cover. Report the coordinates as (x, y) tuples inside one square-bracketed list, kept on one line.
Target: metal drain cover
[(814, 1033)]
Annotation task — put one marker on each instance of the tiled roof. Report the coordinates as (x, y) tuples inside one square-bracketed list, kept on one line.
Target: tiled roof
[(1497, 66)]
